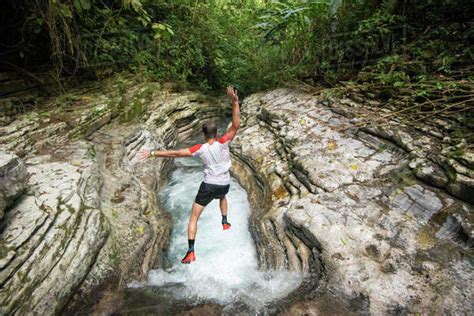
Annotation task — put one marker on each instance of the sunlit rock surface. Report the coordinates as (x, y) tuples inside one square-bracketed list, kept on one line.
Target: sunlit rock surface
[(370, 212)]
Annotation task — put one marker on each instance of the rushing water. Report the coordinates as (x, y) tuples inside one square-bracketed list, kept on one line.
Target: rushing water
[(226, 270)]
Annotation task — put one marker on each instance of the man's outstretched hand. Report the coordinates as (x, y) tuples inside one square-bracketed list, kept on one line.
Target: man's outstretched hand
[(232, 93), (144, 154)]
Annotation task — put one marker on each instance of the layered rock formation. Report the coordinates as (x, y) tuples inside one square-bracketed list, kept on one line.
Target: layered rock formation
[(87, 218), (378, 224), (379, 217)]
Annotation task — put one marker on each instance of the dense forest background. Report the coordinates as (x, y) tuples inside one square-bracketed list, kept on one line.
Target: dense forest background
[(417, 48)]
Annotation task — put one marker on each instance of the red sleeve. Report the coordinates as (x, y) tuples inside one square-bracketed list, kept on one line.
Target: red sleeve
[(195, 148), (225, 138)]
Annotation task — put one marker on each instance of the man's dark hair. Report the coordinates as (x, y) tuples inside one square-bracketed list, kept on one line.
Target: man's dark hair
[(209, 130)]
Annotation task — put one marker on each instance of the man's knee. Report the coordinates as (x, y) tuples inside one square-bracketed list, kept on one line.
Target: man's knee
[(196, 210)]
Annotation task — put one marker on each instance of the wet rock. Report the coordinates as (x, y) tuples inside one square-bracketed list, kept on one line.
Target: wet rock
[(456, 229), (462, 187), (429, 172), (421, 203), (12, 180)]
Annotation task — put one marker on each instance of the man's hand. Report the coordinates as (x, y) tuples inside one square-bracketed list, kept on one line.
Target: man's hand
[(144, 154), (232, 93)]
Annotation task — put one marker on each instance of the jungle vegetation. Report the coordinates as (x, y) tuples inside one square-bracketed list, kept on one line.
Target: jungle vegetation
[(416, 49)]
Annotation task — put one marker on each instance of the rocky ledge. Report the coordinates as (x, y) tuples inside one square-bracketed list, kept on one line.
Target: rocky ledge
[(79, 212), (379, 217)]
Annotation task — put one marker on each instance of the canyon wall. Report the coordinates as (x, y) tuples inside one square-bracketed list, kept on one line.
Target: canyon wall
[(80, 211), (372, 214)]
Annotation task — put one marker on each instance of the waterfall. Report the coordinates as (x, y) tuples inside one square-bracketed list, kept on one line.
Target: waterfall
[(226, 270)]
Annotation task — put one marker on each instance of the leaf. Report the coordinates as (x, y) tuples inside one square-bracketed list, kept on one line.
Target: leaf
[(137, 5), (66, 11), (158, 26), (86, 4), (77, 5), (219, 61), (76, 163), (332, 145)]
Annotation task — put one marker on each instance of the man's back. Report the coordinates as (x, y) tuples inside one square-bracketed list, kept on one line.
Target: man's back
[(216, 160)]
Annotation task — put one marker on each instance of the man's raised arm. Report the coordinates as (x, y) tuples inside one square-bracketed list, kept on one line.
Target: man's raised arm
[(235, 112)]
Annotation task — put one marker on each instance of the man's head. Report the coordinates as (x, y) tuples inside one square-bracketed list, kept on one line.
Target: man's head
[(209, 130)]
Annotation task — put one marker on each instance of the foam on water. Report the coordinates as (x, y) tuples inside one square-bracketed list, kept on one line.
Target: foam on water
[(226, 269)]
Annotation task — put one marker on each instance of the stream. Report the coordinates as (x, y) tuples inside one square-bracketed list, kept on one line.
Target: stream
[(226, 271)]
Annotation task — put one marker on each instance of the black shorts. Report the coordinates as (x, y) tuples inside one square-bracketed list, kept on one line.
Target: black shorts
[(207, 192)]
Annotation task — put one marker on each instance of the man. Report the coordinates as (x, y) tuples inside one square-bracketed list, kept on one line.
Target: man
[(215, 156)]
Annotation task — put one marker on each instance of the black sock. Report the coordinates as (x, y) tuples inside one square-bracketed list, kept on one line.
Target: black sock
[(224, 219), (191, 245)]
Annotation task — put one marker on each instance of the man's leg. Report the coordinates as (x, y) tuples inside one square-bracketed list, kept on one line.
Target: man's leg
[(196, 212), (223, 206)]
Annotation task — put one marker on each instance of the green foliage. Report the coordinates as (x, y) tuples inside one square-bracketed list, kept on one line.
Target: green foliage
[(249, 43)]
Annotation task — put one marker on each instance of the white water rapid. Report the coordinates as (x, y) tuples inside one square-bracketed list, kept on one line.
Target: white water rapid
[(226, 270)]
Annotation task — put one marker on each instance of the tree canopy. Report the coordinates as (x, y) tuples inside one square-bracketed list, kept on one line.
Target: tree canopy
[(248, 43)]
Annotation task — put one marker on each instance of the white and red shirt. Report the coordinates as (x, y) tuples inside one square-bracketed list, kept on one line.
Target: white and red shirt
[(216, 159)]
